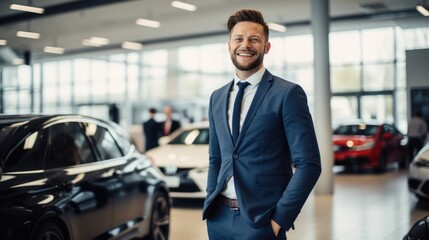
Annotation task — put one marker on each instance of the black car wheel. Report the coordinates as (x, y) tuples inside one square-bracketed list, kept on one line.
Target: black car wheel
[(160, 218), (48, 231)]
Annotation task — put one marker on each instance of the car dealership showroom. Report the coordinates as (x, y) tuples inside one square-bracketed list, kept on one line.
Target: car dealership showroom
[(106, 106)]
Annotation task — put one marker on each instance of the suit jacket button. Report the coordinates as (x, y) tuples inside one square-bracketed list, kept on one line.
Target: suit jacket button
[(235, 156)]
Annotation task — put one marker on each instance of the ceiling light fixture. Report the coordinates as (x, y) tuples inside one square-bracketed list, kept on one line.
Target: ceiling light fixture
[(3, 42), (17, 61), (148, 23), (95, 41), (277, 27), (25, 34), (54, 50), (424, 11), (25, 8), (184, 6), (87, 42), (132, 45), (99, 40)]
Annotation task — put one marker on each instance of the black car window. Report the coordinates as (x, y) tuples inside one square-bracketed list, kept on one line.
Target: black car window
[(357, 129), (105, 143), (391, 129), (29, 154), (68, 146), (122, 139), (193, 136)]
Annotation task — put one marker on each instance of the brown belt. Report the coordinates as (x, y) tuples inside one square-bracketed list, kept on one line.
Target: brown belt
[(232, 203)]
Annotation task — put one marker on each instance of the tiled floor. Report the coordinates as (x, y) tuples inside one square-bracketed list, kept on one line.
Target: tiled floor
[(364, 206)]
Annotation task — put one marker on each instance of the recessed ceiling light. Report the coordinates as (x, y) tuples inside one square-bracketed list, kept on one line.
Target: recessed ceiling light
[(132, 45), (54, 50), (423, 10), (184, 6), (3, 42), (148, 23), (25, 8), (277, 27), (25, 34)]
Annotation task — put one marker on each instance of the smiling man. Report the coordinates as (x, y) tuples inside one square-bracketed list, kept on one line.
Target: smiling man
[(260, 126)]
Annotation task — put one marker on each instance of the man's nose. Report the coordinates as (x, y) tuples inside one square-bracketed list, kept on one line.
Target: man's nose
[(245, 43)]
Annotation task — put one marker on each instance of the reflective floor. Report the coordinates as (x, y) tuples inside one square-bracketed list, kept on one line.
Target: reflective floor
[(365, 206)]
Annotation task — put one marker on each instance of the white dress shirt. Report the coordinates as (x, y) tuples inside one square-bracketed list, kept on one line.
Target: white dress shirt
[(249, 94)]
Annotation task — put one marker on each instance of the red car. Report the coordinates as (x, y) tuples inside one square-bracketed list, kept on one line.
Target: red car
[(371, 146)]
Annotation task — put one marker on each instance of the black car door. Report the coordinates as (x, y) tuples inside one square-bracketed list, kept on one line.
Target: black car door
[(126, 183), (392, 139), (82, 191)]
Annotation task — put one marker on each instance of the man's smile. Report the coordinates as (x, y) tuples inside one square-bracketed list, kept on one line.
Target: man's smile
[(245, 54)]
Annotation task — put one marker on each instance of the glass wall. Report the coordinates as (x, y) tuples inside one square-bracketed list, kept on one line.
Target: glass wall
[(367, 67)]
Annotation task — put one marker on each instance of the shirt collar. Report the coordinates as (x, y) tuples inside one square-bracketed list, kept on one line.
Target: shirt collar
[(254, 79)]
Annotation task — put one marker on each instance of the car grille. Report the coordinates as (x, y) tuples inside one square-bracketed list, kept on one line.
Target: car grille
[(186, 183), (338, 148), (188, 186), (413, 183), (179, 172), (425, 188)]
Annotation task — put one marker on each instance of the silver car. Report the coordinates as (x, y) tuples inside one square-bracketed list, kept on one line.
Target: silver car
[(418, 174)]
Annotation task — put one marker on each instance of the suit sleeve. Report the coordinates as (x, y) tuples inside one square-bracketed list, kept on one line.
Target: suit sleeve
[(304, 153), (214, 153)]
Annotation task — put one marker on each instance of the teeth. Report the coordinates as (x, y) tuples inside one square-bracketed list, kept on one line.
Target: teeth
[(245, 54)]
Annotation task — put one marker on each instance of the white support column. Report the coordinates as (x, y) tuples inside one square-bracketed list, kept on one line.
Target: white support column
[(322, 106)]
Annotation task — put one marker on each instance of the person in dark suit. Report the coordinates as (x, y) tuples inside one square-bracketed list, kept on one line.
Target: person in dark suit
[(152, 131), (169, 125), (253, 193)]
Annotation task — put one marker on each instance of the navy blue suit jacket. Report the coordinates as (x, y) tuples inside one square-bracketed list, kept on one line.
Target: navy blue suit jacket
[(277, 133)]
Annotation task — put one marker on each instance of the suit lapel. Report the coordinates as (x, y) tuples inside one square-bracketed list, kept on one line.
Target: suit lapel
[(262, 90), (225, 102)]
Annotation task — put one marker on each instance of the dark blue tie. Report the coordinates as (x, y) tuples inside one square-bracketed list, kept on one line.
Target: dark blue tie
[(237, 110)]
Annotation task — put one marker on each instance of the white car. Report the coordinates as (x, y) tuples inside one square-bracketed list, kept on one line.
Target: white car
[(418, 174), (183, 157)]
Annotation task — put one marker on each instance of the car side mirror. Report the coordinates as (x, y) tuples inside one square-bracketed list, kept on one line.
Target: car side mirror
[(163, 140)]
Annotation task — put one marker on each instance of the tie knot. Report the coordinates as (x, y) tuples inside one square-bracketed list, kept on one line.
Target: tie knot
[(243, 85)]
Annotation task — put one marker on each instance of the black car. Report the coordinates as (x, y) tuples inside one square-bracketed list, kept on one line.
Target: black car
[(77, 177), (419, 231)]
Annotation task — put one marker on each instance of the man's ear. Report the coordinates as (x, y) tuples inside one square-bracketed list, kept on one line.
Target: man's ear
[(267, 47)]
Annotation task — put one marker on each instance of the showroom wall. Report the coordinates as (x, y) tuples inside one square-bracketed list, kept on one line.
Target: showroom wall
[(417, 72)]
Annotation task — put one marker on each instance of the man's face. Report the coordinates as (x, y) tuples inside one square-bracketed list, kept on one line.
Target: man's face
[(247, 46), (168, 111)]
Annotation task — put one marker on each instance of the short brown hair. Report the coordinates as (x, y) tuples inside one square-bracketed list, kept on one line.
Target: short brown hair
[(248, 15)]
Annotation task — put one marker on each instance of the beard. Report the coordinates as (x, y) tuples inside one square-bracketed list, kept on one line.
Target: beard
[(252, 65)]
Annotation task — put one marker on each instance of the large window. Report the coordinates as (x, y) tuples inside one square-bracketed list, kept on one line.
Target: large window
[(367, 67)]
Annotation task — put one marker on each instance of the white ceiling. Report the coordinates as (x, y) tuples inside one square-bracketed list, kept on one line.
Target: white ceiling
[(115, 19)]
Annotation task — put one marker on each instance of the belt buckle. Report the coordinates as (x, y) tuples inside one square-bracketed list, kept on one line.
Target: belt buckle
[(232, 204)]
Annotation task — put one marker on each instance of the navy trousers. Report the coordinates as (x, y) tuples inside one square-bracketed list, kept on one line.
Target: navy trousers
[(225, 223)]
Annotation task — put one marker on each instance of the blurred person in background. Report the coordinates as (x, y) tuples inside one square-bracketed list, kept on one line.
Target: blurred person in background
[(417, 131), (152, 131), (169, 125)]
